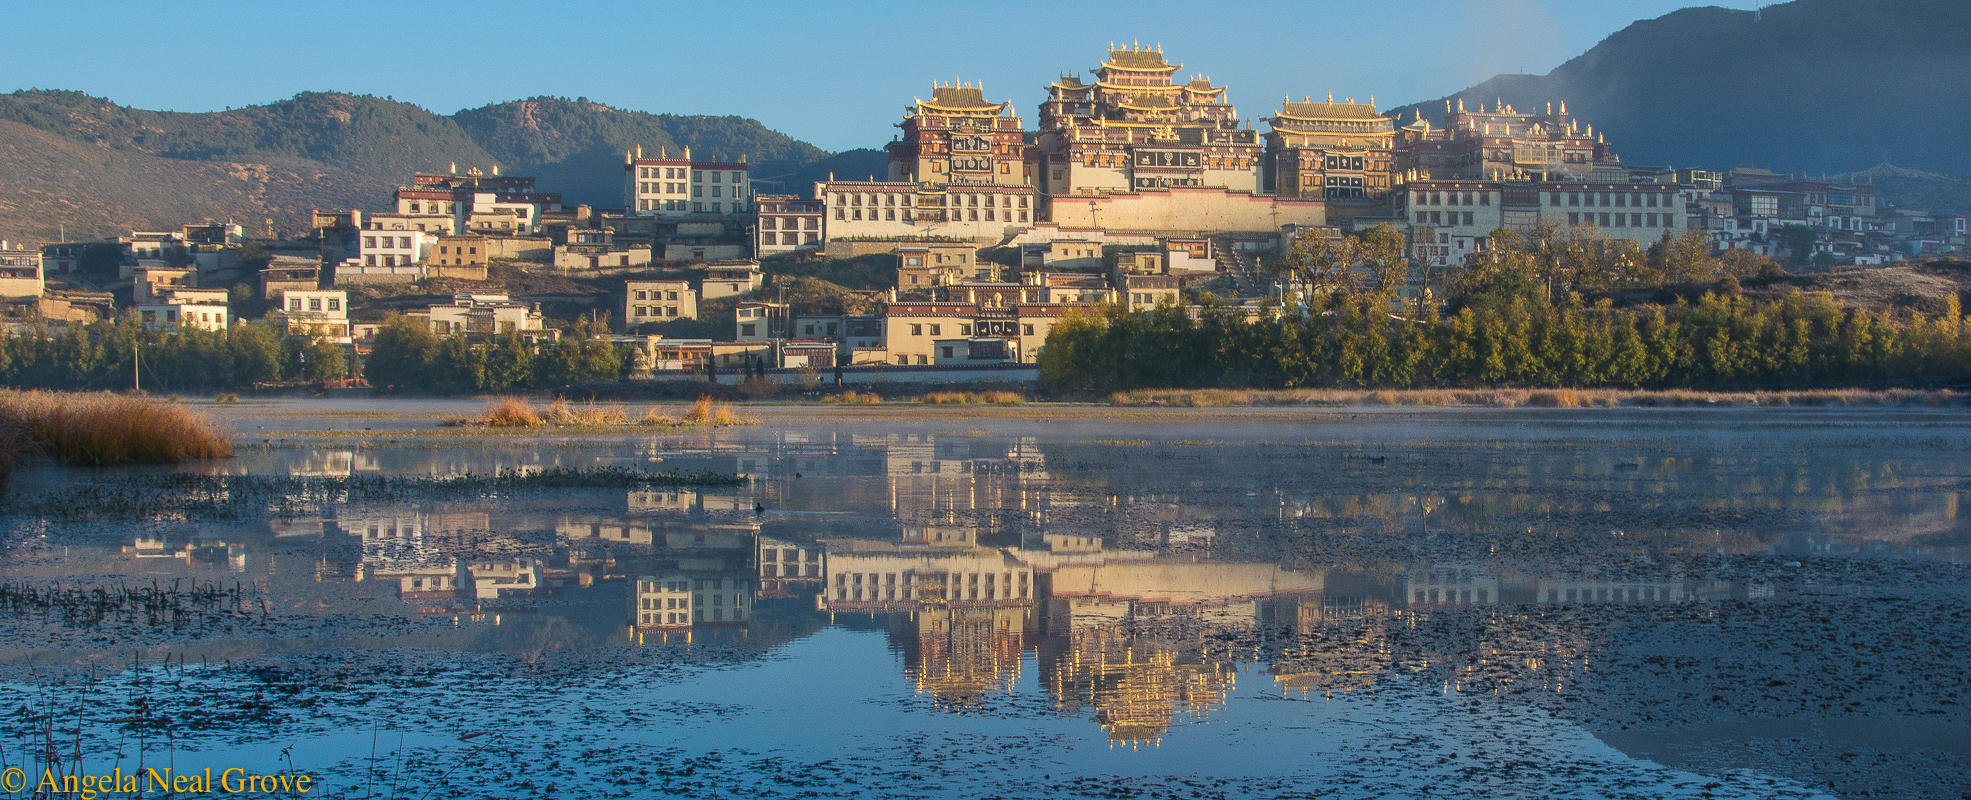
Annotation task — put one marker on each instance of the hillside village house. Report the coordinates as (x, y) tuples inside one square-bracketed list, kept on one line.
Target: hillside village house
[(482, 315), (205, 313), (283, 273), (728, 278), (759, 322), (924, 334), (150, 285), (788, 223), (670, 188), (20, 272), (1145, 292), (658, 301), (321, 314)]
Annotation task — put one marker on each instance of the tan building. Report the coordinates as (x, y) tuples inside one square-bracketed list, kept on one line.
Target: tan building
[(658, 301), (729, 278), (917, 333), (458, 251), (1145, 292), (759, 322), (150, 285)]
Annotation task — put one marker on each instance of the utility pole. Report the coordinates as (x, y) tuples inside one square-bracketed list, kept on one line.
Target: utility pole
[(136, 368)]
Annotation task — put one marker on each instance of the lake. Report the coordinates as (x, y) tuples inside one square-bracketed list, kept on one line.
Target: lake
[(1014, 602)]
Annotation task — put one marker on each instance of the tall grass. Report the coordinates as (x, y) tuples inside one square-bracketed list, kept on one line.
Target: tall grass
[(97, 428), (511, 412), (1533, 398), (997, 398), (853, 397)]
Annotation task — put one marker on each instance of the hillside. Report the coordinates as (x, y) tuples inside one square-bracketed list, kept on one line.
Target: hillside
[(98, 168), (49, 183), (1809, 86)]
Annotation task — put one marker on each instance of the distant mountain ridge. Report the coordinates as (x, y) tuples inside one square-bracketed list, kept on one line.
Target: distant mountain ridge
[(1807, 86), (340, 150)]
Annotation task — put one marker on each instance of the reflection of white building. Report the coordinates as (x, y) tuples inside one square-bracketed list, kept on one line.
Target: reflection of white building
[(680, 601), (1663, 591), (1102, 592), (787, 564), (1450, 586), (682, 501), (200, 549), (876, 577), (518, 577)]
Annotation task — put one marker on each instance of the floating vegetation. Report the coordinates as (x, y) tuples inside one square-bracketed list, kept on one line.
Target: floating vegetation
[(1536, 398), (170, 605), (180, 496)]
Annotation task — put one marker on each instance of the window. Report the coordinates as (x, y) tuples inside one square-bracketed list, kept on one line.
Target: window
[(1467, 218), (747, 329), (698, 177), (335, 304), (715, 176), (1027, 330), (916, 330), (697, 191), (294, 304), (314, 304), (937, 330), (1573, 198), (735, 176), (946, 350)]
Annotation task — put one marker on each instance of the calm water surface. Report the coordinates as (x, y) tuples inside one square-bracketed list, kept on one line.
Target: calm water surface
[(1032, 603)]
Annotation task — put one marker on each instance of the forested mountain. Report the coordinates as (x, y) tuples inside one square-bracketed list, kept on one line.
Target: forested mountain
[(1807, 86), (89, 166)]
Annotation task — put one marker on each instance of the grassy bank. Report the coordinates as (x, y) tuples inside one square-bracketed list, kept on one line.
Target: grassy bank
[(97, 428), (1532, 398)]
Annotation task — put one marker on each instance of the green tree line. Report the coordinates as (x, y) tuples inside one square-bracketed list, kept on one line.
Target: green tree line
[(110, 354), (408, 357), (1518, 316)]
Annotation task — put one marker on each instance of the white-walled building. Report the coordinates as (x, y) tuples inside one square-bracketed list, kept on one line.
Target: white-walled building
[(322, 314), (670, 187), (20, 271)]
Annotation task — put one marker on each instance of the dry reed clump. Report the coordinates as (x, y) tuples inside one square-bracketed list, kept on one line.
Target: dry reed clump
[(1536, 398), (852, 397), (995, 397), (561, 412), (706, 412), (511, 412), (101, 428)]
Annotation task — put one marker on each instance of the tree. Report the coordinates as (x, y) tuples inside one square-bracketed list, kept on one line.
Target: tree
[(1799, 243), (403, 355)]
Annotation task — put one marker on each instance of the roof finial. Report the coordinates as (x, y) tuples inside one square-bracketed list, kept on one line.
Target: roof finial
[(1372, 102), (1550, 108), (1331, 97), (1563, 106)]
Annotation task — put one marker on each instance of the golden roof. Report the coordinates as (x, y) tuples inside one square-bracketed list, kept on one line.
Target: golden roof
[(961, 98), (1140, 60), (1312, 111)]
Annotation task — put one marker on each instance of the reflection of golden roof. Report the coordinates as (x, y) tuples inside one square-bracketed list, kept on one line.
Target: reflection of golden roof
[(1137, 687), (1151, 60)]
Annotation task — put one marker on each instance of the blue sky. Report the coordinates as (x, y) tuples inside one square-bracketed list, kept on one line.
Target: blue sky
[(837, 74)]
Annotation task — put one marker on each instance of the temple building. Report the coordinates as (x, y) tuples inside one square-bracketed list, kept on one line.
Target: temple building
[(1342, 152), (1137, 149), (1136, 127), (960, 137), (1505, 144), (961, 170)]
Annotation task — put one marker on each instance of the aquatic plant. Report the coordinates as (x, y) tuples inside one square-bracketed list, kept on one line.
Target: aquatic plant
[(183, 496)]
